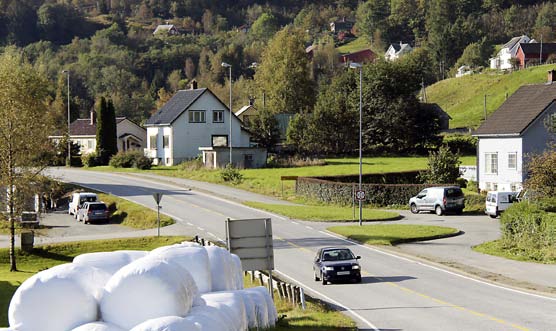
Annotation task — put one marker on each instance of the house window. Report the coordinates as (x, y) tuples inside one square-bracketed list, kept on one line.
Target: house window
[(218, 116), (90, 143), (196, 116), (219, 141), (491, 163), (166, 141), (512, 161), (152, 141)]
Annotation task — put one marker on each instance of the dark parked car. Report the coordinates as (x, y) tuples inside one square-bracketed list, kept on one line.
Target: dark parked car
[(93, 211), (336, 264)]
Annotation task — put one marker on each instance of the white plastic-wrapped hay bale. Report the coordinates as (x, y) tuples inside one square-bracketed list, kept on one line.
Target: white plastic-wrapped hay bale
[(110, 262), (145, 289), (238, 272), (271, 308), (60, 298), (260, 307), (98, 326), (250, 312), (167, 323), (221, 268), (194, 259), (209, 319), (234, 301)]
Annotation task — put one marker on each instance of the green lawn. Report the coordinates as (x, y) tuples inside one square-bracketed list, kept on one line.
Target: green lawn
[(463, 98), (354, 45), (133, 215), (497, 248), (267, 180), (317, 316), (325, 213), (392, 234)]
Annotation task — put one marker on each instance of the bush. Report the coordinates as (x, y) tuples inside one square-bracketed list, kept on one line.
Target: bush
[(231, 174), (276, 161), (130, 159), (443, 167), (461, 144), (547, 204), (192, 165), (461, 182), (90, 160), (472, 186)]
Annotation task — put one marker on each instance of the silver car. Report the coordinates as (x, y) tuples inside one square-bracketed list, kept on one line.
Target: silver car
[(438, 200), (93, 211)]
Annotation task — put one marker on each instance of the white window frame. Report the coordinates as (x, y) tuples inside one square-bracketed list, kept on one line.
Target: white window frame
[(490, 168), (217, 116), (197, 116), (514, 167)]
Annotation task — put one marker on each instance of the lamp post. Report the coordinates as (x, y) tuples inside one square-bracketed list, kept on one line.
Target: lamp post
[(229, 66), (355, 65), (68, 161)]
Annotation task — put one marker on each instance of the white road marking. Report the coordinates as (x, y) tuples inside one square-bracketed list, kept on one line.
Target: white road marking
[(294, 222), (200, 228), (211, 234), (308, 227), (190, 224), (440, 269)]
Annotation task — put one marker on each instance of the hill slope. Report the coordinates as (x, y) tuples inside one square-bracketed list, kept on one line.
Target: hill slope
[(463, 97)]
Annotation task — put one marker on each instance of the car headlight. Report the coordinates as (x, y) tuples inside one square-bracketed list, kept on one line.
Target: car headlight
[(328, 268), (355, 267)]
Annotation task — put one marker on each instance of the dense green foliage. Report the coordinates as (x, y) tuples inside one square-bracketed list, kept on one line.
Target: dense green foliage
[(443, 167), (129, 159), (106, 131), (541, 174)]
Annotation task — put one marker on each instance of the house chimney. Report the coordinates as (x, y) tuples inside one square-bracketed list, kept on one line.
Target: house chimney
[(193, 85), (93, 117), (551, 76)]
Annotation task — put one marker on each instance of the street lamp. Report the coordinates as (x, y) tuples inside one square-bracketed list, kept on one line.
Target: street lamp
[(68, 161), (229, 66), (355, 65)]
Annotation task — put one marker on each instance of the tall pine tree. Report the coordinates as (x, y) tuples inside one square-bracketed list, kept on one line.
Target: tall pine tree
[(102, 114)]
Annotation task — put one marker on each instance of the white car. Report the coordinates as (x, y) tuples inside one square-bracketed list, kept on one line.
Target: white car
[(77, 200), (496, 202)]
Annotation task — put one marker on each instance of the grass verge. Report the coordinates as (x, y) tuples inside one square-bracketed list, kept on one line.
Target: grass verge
[(392, 234), (497, 248), (48, 256), (130, 214), (325, 213), (316, 317)]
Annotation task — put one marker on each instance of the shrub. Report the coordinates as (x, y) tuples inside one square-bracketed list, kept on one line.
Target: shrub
[(461, 182), (90, 160), (472, 186), (541, 170), (192, 165), (275, 161), (231, 174), (142, 162), (130, 159), (443, 167), (547, 204), (461, 144)]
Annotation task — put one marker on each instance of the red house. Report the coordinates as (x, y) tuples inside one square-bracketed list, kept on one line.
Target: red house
[(532, 51), (362, 56)]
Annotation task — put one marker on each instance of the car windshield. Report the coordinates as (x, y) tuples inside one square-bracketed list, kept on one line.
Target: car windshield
[(99, 206), (337, 255)]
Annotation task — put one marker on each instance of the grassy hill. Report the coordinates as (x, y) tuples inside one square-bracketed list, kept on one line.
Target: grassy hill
[(463, 97)]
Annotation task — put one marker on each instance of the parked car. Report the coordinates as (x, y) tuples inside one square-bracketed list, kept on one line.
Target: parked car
[(439, 200), (93, 211), (336, 263), (497, 202), (77, 201)]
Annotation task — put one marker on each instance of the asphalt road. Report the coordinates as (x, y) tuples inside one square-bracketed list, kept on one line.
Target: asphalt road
[(397, 293)]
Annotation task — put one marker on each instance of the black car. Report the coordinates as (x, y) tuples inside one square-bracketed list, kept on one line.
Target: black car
[(336, 264)]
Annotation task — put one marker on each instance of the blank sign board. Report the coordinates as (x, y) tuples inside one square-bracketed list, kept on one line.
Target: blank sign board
[(251, 240)]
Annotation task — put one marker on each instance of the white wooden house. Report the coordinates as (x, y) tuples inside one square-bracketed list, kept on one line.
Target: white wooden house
[(503, 59), (395, 51), (192, 119), (524, 125)]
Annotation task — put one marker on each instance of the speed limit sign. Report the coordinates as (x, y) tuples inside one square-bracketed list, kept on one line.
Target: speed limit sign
[(360, 195)]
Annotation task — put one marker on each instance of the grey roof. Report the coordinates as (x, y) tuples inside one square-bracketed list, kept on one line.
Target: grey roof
[(175, 107), (519, 111), (396, 47)]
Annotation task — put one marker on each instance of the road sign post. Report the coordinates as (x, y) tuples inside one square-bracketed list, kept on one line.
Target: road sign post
[(157, 197)]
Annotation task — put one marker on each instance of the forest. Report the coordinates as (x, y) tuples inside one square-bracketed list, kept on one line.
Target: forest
[(109, 49)]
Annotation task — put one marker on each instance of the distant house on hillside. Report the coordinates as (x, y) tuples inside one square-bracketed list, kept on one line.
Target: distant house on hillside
[(342, 25), (83, 132), (534, 52), (169, 29), (524, 124), (362, 56), (503, 59), (310, 51), (395, 51), (463, 70), (247, 112)]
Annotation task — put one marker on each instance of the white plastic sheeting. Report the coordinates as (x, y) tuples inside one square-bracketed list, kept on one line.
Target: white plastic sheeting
[(221, 268), (110, 262), (97, 326), (232, 300), (237, 272), (271, 308), (167, 323), (209, 319), (60, 298), (144, 289)]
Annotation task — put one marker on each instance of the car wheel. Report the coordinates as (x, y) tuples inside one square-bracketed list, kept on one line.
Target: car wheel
[(413, 208), (492, 216), (316, 277), (438, 210), (323, 280), (358, 279), (459, 211)]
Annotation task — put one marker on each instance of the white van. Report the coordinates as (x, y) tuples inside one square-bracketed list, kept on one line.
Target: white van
[(497, 202), (77, 200)]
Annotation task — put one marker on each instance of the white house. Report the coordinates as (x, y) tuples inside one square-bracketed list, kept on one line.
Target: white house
[(525, 124), (189, 120), (463, 71), (395, 51), (503, 59), (169, 29), (83, 132)]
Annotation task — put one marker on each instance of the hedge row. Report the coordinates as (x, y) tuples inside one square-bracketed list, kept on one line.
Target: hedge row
[(342, 193), (402, 177)]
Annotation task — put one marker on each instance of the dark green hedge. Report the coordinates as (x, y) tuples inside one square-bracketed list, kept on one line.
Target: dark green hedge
[(403, 177), (342, 193)]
